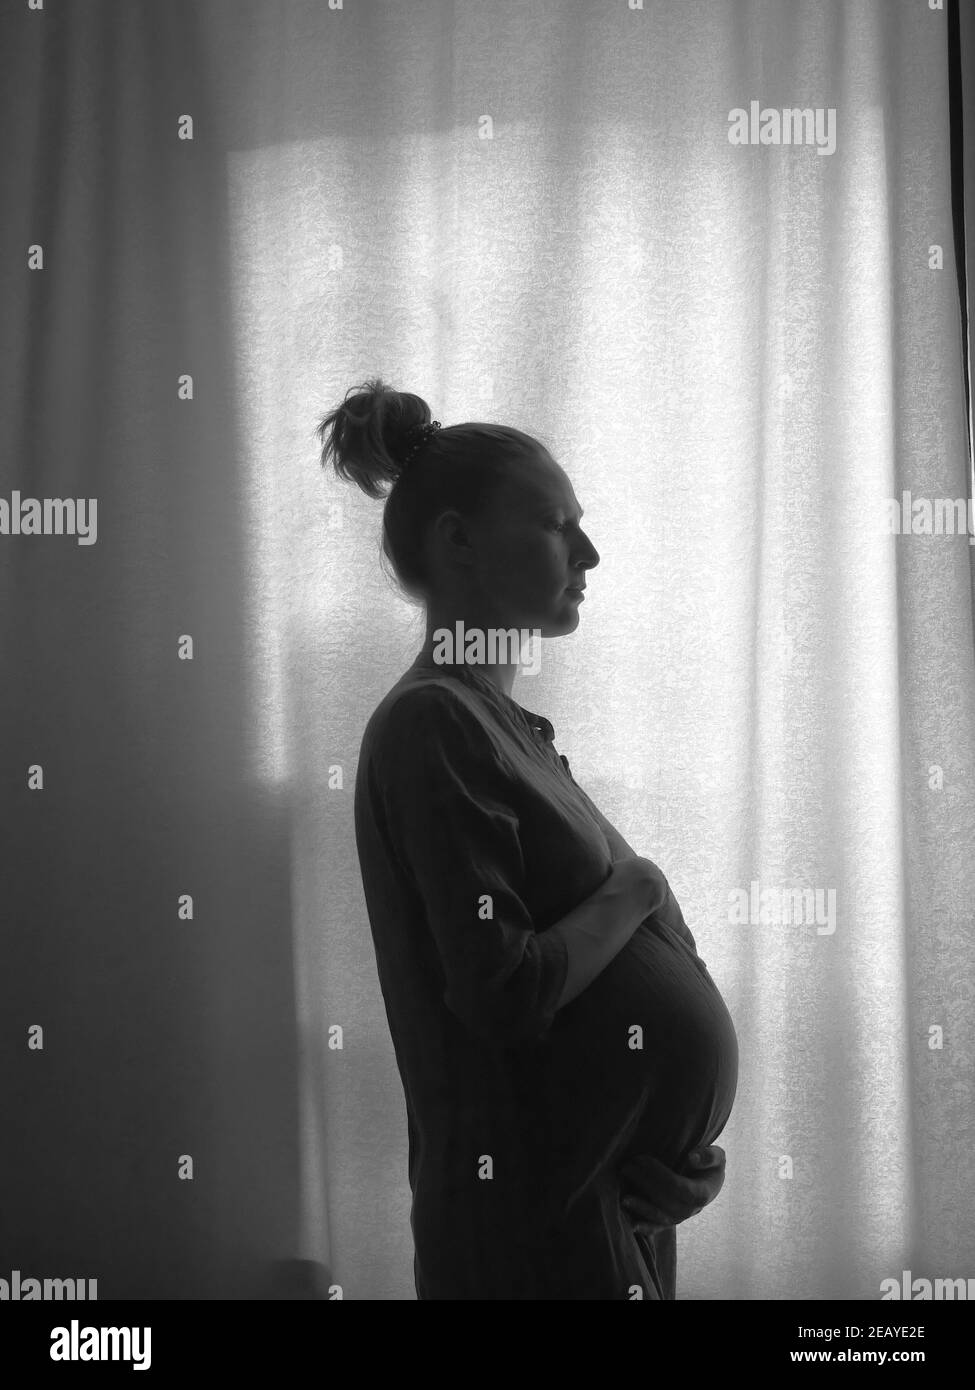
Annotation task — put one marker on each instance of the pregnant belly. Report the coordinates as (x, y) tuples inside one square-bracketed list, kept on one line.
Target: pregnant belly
[(644, 1060)]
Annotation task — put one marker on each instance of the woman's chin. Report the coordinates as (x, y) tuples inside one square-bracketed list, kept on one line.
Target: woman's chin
[(565, 621)]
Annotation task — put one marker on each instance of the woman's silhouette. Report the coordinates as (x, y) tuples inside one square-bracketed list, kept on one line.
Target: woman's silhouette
[(566, 1059)]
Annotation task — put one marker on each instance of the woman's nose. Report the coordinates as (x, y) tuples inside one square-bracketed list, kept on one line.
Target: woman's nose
[(589, 555)]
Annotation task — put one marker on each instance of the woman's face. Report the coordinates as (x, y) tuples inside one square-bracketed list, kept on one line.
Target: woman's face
[(527, 552)]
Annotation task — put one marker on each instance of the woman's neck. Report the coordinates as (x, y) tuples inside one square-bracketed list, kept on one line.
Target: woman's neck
[(445, 644)]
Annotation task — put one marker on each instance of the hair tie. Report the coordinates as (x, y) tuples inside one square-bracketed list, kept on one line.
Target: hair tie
[(416, 439)]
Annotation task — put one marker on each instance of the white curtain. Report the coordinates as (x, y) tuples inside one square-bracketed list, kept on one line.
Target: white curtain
[(534, 214)]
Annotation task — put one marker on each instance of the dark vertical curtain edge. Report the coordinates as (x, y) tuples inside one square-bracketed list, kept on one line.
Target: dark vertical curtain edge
[(960, 38)]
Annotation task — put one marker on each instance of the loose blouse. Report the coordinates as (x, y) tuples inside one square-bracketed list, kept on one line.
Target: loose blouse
[(473, 839)]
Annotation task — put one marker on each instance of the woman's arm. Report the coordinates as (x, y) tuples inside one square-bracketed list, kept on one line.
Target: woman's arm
[(449, 808), (447, 804), (655, 1196), (597, 929), (619, 849)]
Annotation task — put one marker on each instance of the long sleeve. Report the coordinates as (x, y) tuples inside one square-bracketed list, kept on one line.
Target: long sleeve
[(449, 802)]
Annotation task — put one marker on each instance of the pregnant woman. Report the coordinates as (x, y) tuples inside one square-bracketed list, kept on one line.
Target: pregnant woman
[(567, 1060)]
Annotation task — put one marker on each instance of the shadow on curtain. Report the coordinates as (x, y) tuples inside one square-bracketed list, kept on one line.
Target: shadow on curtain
[(147, 889)]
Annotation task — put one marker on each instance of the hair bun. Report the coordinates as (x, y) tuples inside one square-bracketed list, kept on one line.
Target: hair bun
[(371, 436)]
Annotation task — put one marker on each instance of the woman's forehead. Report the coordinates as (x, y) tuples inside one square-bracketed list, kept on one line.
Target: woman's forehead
[(537, 484)]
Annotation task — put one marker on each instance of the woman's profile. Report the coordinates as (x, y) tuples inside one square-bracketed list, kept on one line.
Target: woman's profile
[(567, 1061)]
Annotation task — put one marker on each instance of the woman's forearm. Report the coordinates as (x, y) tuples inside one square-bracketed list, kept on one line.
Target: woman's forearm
[(597, 930)]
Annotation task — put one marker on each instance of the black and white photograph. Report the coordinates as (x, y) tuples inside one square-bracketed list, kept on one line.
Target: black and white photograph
[(487, 724)]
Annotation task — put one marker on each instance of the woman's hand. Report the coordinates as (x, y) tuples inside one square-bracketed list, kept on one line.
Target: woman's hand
[(655, 1196), (642, 878), (663, 903)]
